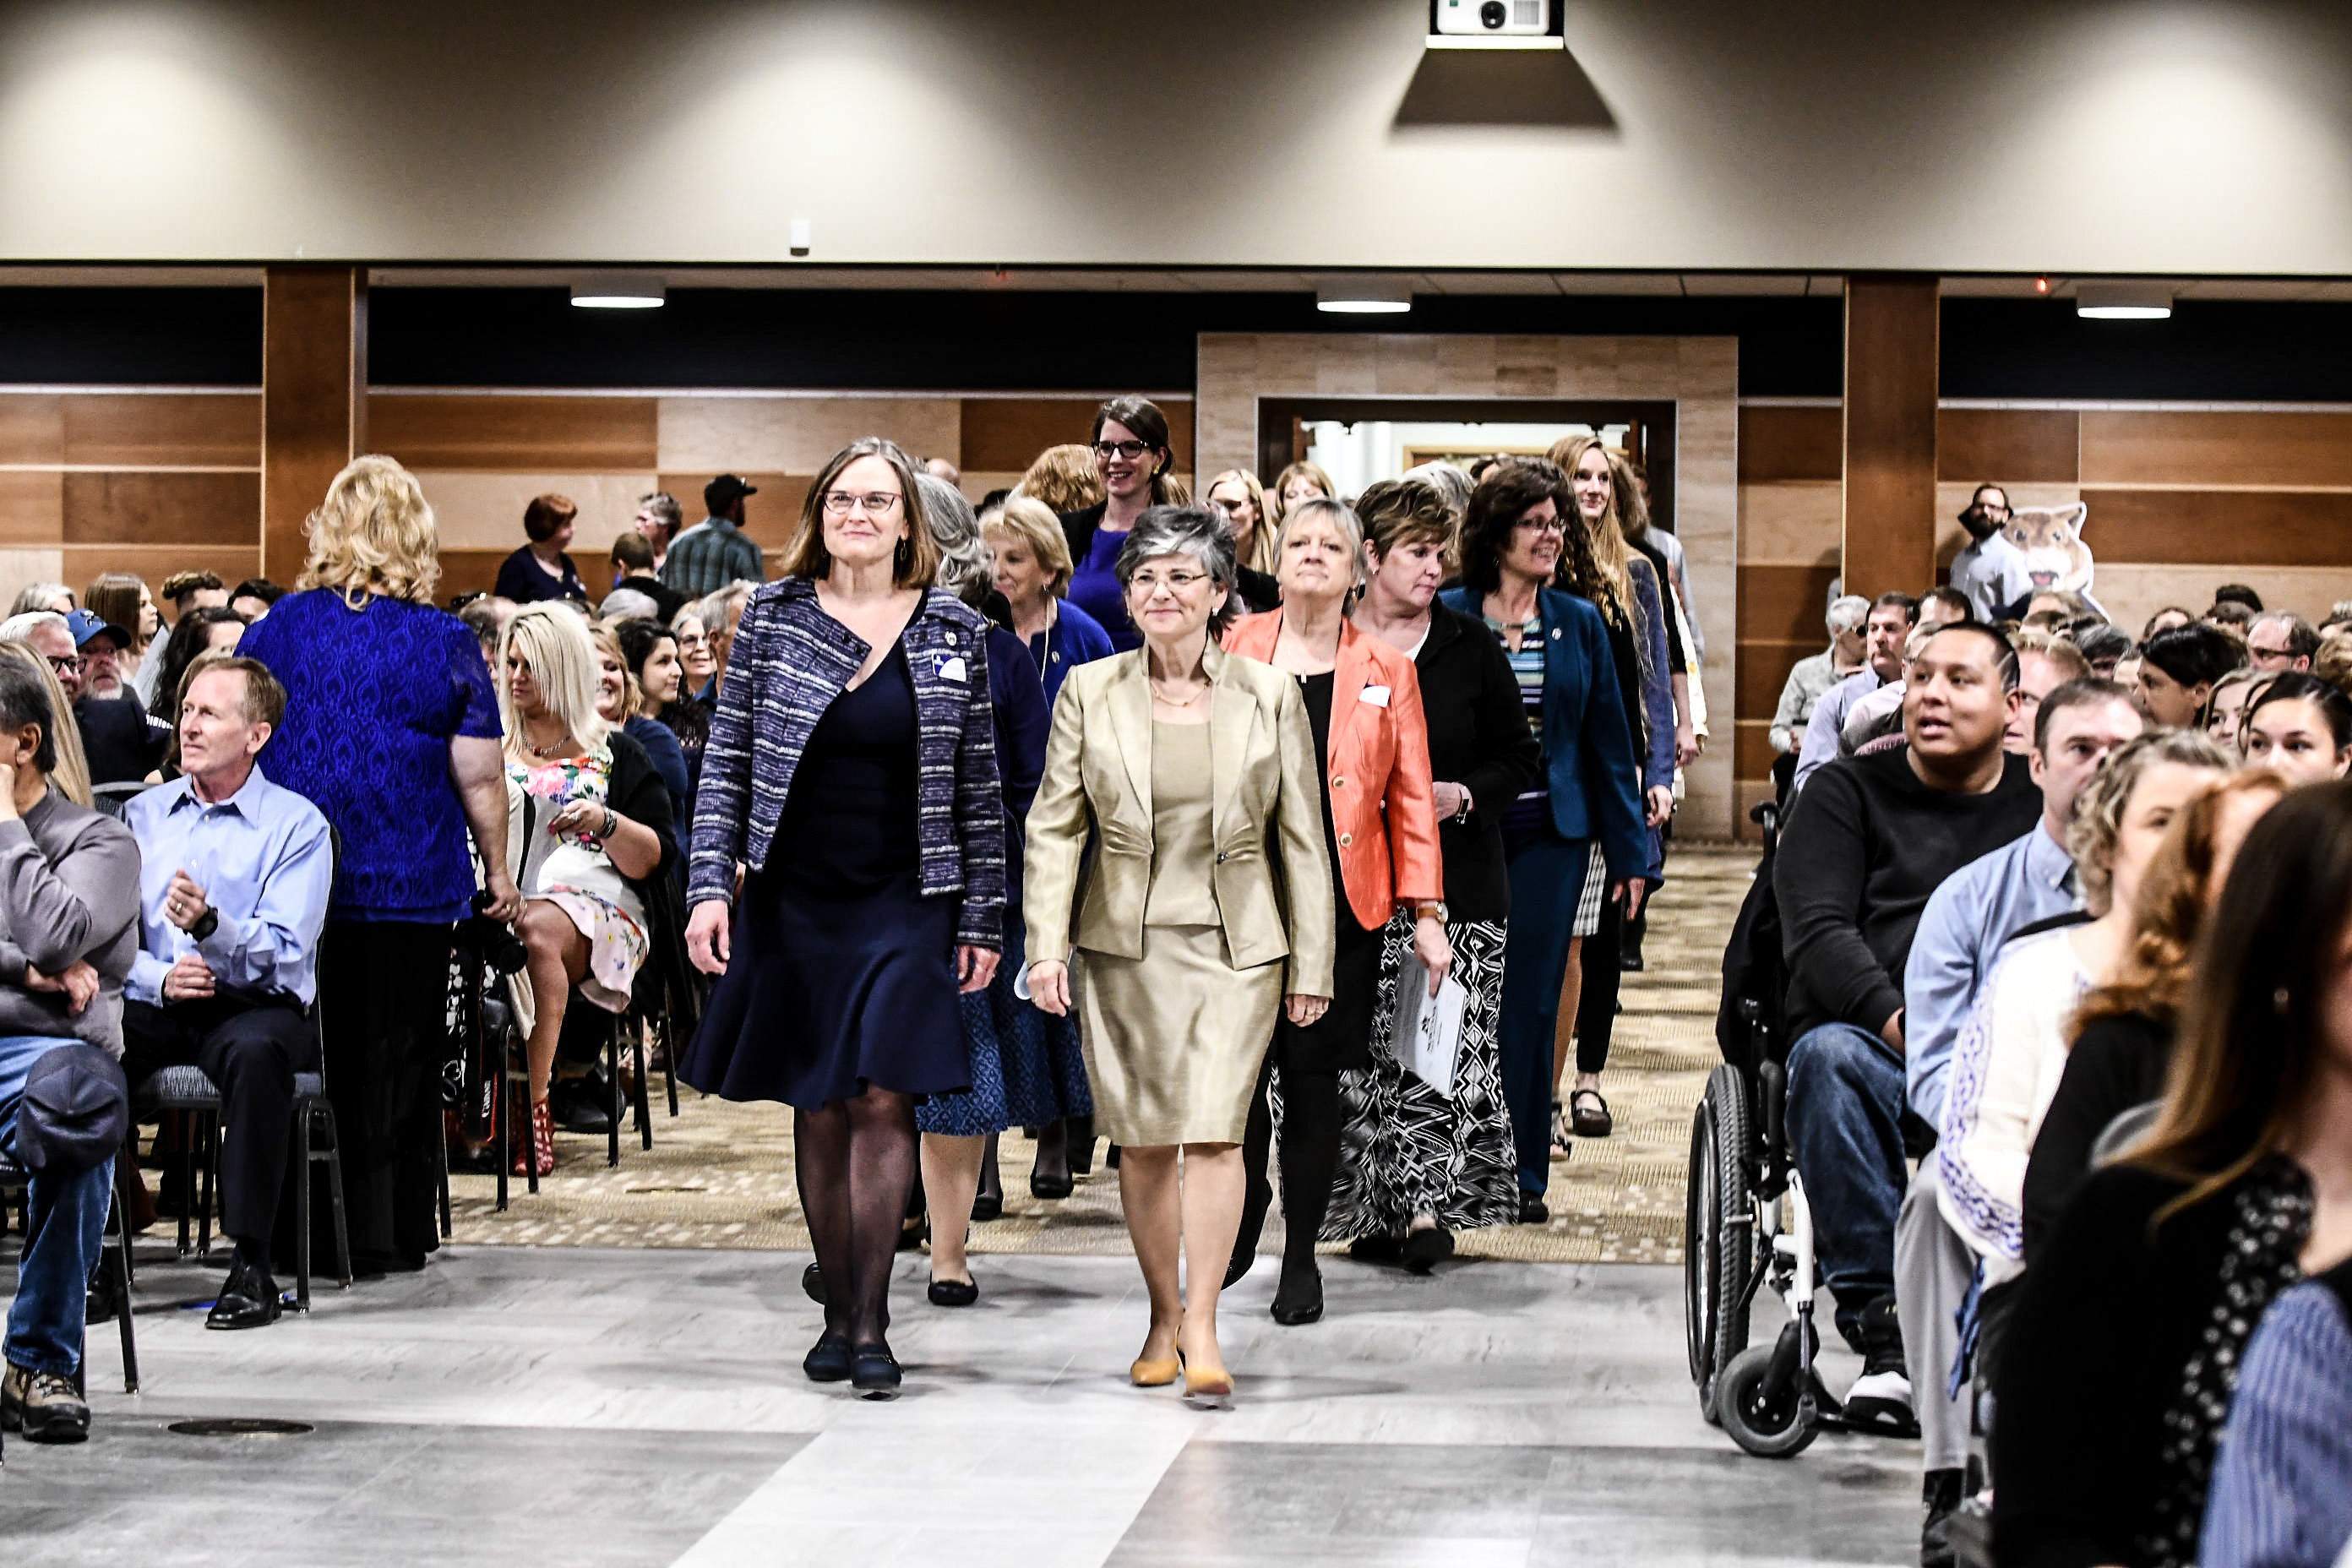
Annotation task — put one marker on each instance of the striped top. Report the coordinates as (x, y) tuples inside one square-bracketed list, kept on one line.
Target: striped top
[(1531, 809), (2279, 1497)]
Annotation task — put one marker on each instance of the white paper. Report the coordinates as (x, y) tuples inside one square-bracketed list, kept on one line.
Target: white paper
[(1377, 696), (1427, 1038)]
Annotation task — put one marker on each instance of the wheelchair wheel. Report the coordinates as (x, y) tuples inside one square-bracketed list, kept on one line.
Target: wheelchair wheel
[(1718, 1234), (1771, 1425)]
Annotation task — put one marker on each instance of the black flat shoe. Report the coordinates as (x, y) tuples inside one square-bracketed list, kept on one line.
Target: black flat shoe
[(986, 1206), (1426, 1249), (954, 1293), (1241, 1265), (912, 1237), (828, 1360), (1298, 1299), (1533, 1210), (1376, 1249), (247, 1301), (813, 1284), (1079, 1134), (1052, 1189), (874, 1371)]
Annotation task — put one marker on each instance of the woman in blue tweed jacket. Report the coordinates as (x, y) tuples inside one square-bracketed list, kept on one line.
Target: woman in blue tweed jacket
[(851, 772)]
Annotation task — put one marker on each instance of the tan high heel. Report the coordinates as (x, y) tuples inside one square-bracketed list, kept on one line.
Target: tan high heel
[(1147, 1373), (1208, 1390)]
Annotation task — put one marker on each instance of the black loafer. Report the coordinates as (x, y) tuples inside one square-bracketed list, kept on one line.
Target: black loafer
[(1426, 1249), (812, 1283), (954, 1293), (828, 1360), (1052, 1189), (1533, 1210), (248, 1300), (1298, 1299), (986, 1206), (874, 1371)]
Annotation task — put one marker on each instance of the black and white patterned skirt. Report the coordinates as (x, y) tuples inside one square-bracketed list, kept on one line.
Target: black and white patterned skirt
[(1404, 1150)]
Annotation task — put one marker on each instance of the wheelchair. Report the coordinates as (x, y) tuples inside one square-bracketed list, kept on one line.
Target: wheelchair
[(1747, 1226)]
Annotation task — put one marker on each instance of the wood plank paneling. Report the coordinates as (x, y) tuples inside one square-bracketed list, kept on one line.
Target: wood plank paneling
[(795, 435), (1007, 433), (2007, 446), (769, 516), (169, 429), (1891, 325), (1783, 604), (2227, 448), (1752, 753), (528, 435), (1790, 444), (148, 508), (32, 510), (2254, 528), (234, 563), (1764, 670), (32, 427), (314, 398), (1791, 523)]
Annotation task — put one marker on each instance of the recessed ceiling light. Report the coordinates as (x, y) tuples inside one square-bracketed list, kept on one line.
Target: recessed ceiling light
[(617, 291), (1364, 297), (2123, 301)]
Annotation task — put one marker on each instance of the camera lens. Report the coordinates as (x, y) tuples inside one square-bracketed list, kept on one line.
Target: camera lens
[(1491, 13)]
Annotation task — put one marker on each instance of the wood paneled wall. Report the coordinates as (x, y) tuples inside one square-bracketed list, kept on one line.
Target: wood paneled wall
[(153, 481), (2179, 502)]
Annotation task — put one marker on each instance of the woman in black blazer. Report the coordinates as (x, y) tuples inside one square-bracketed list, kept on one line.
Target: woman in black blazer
[(1416, 1164)]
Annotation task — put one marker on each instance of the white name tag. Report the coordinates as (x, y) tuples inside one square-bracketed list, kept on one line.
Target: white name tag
[(1378, 695), (950, 668)]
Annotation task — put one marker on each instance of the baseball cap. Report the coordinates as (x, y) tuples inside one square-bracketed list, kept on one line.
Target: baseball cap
[(85, 625), (73, 1112), (726, 491)]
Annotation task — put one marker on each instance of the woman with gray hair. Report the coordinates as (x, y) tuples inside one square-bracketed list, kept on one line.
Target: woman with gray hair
[(1195, 773)]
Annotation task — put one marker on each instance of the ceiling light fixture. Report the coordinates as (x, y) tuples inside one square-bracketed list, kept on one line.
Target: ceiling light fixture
[(618, 292), (2123, 301), (1364, 297)]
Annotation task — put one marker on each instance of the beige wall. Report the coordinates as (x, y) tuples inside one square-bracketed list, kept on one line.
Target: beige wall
[(2201, 136)]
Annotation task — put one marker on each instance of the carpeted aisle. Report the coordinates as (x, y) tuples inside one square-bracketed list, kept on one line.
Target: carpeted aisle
[(719, 1175)]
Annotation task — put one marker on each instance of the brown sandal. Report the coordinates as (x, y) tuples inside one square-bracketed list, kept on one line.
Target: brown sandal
[(1588, 1114)]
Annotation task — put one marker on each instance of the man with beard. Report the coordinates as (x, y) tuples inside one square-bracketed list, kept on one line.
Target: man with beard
[(1991, 571)]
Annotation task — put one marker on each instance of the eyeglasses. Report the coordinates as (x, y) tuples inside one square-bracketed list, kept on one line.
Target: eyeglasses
[(65, 665), (840, 503), (1177, 580), (1542, 525), (694, 639), (1130, 450)]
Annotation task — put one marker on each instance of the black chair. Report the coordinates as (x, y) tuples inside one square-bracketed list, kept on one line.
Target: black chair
[(114, 1255), (110, 798)]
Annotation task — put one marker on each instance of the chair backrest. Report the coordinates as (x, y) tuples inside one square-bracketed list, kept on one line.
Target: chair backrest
[(110, 798)]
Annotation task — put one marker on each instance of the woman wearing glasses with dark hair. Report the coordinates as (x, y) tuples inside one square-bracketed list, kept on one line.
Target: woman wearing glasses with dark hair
[(852, 768), (1133, 456)]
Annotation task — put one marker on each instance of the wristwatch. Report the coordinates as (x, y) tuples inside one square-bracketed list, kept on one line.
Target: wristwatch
[(206, 923), (1434, 909)]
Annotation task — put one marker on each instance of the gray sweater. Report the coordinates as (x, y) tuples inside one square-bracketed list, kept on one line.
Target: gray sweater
[(68, 890)]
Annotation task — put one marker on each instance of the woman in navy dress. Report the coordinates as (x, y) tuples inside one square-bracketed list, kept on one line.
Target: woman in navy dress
[(852, 770)]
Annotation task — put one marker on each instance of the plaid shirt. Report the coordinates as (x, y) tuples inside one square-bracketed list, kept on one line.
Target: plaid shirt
[(709, 556), (789, 663)]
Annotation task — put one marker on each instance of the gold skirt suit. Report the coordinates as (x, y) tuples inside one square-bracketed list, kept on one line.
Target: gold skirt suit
[(1206, 898)]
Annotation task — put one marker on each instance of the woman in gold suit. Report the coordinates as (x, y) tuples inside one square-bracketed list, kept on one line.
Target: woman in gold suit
[(1204, 911)]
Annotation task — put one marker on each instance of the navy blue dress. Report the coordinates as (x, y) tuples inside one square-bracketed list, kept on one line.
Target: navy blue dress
[(844, 973)]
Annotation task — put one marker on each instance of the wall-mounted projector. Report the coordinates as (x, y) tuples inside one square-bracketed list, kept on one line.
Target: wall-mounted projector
[(1495, 24)]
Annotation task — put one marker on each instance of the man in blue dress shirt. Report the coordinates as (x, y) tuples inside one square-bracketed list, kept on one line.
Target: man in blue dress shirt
[(2032, 880), (234, 874)]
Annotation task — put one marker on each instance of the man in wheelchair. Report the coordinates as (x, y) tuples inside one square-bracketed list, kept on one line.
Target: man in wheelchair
[(1868, 840)]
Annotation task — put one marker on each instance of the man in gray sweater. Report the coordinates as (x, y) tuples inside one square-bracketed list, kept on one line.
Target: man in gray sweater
[(68, 928)]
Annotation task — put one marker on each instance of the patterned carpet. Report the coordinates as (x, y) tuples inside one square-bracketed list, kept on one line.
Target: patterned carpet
[(720, 1175)]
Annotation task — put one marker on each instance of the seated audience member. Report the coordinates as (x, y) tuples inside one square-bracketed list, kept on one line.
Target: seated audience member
[(2011, 1051), (211, 628), (251, 599), (54, 598), (1889, 624), (2123, 1030), (1990, 569), (1945, 607), (195, 591), (50, 635), (2230, 616), (2165, 620), (2333, 662), (1812, 676), (542, 568), (590, 827), (696, 667), (2281, 640), (2023, 883), (650, 654), (68, 924), (1032, 572), (486, 615), (2278, 1499), (2225, 709), (2178, 670), (719, 611), (625, 604), (234, 878), (620, 703), (716, 550), (632, 571), (1869, 840), (658, 518), (2044, 663), (2103, 646), (2066, 606), (119, 601), (2239, 594), (123, 744), (2121, 1352), (2301, 727), (2339, 615)]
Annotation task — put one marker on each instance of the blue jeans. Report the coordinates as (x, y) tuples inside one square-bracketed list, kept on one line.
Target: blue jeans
[(61, 1248), (1845, 1127), (1546, 881)]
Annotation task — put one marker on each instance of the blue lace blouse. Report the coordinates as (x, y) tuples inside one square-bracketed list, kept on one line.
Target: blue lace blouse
[(374, 697)]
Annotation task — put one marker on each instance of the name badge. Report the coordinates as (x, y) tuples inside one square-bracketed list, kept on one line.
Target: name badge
[(1378, 695), (950, 666)]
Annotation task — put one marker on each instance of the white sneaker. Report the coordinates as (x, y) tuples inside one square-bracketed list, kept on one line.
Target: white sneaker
[(1881, 1400)]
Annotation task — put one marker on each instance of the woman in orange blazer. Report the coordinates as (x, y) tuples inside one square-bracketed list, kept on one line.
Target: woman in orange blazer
[(1381, 827)]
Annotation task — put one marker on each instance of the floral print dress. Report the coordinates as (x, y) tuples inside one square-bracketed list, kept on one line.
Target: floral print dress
[(573, 873)]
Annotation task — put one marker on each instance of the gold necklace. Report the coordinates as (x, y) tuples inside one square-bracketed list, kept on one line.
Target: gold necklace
[(1172, 702)]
